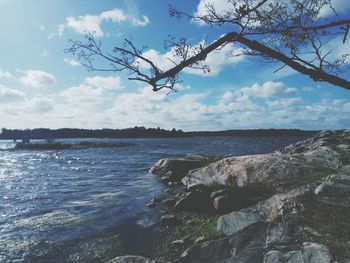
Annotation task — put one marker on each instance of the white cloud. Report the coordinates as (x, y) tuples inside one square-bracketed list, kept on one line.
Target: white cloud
[(221, 7), (44, 53), (59, 31), (8, 95), (5, 74), (140, 22), (105, 83), (284, 102), (38, 79), (85, 106), (268, 89), (40, 104), (216, 60), (92, 23), (93, 90), (71, 62), (234, 110)]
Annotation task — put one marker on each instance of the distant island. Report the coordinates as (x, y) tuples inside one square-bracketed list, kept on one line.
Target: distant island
[(141, 132)]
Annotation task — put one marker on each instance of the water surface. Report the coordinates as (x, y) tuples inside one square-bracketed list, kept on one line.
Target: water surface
[(88, 205)]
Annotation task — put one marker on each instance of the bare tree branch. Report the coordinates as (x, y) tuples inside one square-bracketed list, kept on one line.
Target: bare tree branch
[(291, 32)]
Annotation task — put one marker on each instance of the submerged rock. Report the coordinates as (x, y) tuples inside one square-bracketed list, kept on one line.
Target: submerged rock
[(261, 242)]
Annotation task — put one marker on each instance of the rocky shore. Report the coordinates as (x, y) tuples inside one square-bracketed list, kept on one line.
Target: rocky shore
[(291, 205)]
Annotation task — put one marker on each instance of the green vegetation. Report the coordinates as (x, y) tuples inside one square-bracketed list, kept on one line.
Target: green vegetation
[(191, 226), (331, 223), (303, 179)]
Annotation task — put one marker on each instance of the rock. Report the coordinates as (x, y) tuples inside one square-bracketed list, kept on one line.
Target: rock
[(261, 242), (265, 211), (197, 201), (200, 240), (155, 200), (169, 191), (165, 179), (218, 193), (222, 204), (168, 220), (243, 170), (131, 259), (178, 242), (151, 205), (169, 201), (175, 169), (345, 170), (326, 150), (323, 157), (335, 190)]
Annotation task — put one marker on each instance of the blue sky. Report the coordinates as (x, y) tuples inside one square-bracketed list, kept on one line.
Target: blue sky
[(41, 86)]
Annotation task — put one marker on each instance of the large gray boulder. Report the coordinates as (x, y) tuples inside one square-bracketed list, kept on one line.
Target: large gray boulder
[(261, 242), (131, 259), (176, 169), (265, 211), (326, 150), (243, 170)]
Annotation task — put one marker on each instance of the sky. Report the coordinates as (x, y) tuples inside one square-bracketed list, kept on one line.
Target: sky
[(41, 86)]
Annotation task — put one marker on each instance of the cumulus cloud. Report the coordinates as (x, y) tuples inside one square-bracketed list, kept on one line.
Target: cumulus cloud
[(38, 79), (8, 95), (216, 60), (268, 89), (221, 7), (40, 104), (106, 83), (92, 90), (71, 62), (97, 102), (233, 110), (92, 23), (5, 74)]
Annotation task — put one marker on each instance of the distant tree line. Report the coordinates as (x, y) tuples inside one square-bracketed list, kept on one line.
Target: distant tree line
[(140, 132)]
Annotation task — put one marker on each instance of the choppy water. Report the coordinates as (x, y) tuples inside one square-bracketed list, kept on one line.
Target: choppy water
[(85, 205)]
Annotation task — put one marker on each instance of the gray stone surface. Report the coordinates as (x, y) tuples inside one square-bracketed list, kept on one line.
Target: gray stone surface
[(261, 242), (175, 169), (335, 190), (131, 259), (243, 170), (265, 211)]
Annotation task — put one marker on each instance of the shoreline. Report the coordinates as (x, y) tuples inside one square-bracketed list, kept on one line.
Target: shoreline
[(193, 233)]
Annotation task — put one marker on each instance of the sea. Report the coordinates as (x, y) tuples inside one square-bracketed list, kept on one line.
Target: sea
[(89, 204)]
